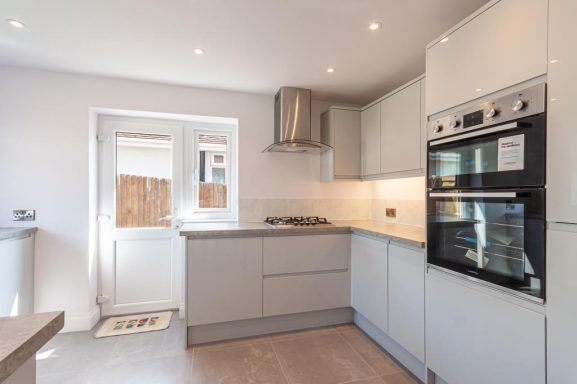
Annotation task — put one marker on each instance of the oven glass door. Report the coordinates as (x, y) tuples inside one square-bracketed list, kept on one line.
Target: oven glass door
[(498, 237), (512, 154)]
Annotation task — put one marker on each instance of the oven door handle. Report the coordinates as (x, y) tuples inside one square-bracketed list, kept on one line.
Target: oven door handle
[(473, 194), (499, 128)]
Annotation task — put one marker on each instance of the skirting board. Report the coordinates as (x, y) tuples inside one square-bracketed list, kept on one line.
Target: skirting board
[(81, 322), (262, 326), (409, 361)]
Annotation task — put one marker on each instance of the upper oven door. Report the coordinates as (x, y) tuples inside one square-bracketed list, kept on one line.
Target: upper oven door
[(496, 236), (507, 155)]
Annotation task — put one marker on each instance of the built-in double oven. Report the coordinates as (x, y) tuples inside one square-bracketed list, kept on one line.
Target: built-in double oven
[(486, 193)]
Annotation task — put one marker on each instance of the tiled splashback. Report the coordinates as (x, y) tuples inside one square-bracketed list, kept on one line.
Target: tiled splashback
[(411, 212)]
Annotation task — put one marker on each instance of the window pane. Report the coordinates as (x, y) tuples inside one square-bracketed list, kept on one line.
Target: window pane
[(212, 176), (143, 180)]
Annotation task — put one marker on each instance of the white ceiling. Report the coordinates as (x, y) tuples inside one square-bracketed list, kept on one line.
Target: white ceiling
[(251, 45)]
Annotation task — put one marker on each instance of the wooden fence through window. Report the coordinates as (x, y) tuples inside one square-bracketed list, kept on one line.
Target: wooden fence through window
[(142, 201), (212, 195)]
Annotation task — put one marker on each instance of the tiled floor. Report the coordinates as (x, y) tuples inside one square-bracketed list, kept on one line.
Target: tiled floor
[(331, 355)]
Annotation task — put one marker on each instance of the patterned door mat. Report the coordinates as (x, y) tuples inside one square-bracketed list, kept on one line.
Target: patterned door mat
[(126, 325)]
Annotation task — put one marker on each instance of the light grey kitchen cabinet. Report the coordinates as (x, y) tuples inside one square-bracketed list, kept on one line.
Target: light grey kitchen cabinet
[(371, 141), (407, 299), (401, 121), (561, 132), (17, 276), (224, 280), (311, 253), (306, 292), (474, 337), (504, 43), (341, 129), (561, 308), (369, 275)]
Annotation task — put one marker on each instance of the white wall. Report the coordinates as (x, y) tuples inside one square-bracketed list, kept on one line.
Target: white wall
[(412, 188), (45, 162)]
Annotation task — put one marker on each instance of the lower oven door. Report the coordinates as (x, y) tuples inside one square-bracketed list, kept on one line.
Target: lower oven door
[(495, 237)]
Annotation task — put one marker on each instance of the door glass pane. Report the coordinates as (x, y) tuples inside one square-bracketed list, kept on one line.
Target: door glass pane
[(213, 173), (484, 236), (143, 180)]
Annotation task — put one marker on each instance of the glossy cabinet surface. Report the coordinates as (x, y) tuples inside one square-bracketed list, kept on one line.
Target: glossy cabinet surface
[(224, 280), (561, 112), (561, 306), (341, 129), (476, 338), (17, 276), (401, 121), (371, 140), (369, 274), (504, 44), (407, 299)]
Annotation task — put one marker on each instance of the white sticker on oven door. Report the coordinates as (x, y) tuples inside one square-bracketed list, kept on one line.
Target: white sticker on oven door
[(511, 155)]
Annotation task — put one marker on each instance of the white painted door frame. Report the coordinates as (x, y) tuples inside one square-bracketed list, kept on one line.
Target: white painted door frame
[(122, 290)]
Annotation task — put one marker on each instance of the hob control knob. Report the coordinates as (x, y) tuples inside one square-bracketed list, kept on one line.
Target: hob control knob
[(454, 124), (518, 105), (491, 113), (438, 128)]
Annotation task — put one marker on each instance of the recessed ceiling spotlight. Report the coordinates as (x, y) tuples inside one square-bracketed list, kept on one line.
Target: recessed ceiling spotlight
[(199, 51), (330, 70), (554, 99), (478, 90), (375, 25), (554, 61), (15, 23), (444, 39)]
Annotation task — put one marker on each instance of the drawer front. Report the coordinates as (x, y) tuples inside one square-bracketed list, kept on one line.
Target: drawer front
[(303, 293), (294, 254)]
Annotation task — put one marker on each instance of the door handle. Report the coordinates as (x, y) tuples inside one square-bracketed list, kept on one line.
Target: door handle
[(473, 194)]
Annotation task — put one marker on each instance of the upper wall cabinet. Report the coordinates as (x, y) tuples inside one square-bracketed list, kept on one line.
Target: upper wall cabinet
[(502, 44), (562, 136), (392, 133), (371, 140), (341, 129)]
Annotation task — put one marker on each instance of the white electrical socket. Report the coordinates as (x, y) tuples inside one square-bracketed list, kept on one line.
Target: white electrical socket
[(24, 215)]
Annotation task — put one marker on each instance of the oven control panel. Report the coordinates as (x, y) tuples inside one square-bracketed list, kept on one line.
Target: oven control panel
[(530, 101)]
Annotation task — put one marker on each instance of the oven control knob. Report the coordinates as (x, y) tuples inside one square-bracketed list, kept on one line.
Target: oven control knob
[(454, 124), (518, 105), (491, 113), (438, 128)]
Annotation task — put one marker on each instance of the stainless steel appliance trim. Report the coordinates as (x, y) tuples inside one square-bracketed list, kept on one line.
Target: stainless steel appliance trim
[(499, 128), (487, 284), (473, 194)]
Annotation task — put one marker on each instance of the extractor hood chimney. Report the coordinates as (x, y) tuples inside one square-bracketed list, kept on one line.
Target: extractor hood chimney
[(292, 123)]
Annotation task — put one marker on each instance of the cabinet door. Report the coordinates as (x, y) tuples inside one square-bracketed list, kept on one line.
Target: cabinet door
[(370, 140), (561, 307), (477, 59), (369, 280), (561, 132), (347, 143), (17, 276), (401, 130), (407, 299), (224, 280), (476, 338)]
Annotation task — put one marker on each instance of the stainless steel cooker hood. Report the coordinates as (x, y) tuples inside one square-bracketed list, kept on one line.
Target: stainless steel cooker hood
[(292, 123)]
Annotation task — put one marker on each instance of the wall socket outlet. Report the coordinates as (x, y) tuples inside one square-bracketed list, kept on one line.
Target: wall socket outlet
[(24, 215), (391, 212)]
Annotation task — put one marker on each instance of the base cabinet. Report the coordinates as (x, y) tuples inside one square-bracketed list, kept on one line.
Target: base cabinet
[(369, 273), (476, 338), (224, 280), (407, 299), (17, 276)]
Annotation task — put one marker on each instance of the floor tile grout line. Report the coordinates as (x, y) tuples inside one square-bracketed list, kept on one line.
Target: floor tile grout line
[(360, 380), (279, 362), (358, 354)]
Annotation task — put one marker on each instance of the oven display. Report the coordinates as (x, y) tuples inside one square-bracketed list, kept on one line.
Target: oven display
[(472, 119)]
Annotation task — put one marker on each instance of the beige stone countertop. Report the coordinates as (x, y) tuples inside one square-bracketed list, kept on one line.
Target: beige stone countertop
[(400, 233), (10, 233), (22, 336)]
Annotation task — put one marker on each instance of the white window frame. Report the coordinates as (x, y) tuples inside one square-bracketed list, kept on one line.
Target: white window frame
[(192, 212)]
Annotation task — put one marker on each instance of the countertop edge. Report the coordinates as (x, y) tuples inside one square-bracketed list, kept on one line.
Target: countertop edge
[(28, 348), (13, 232)]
